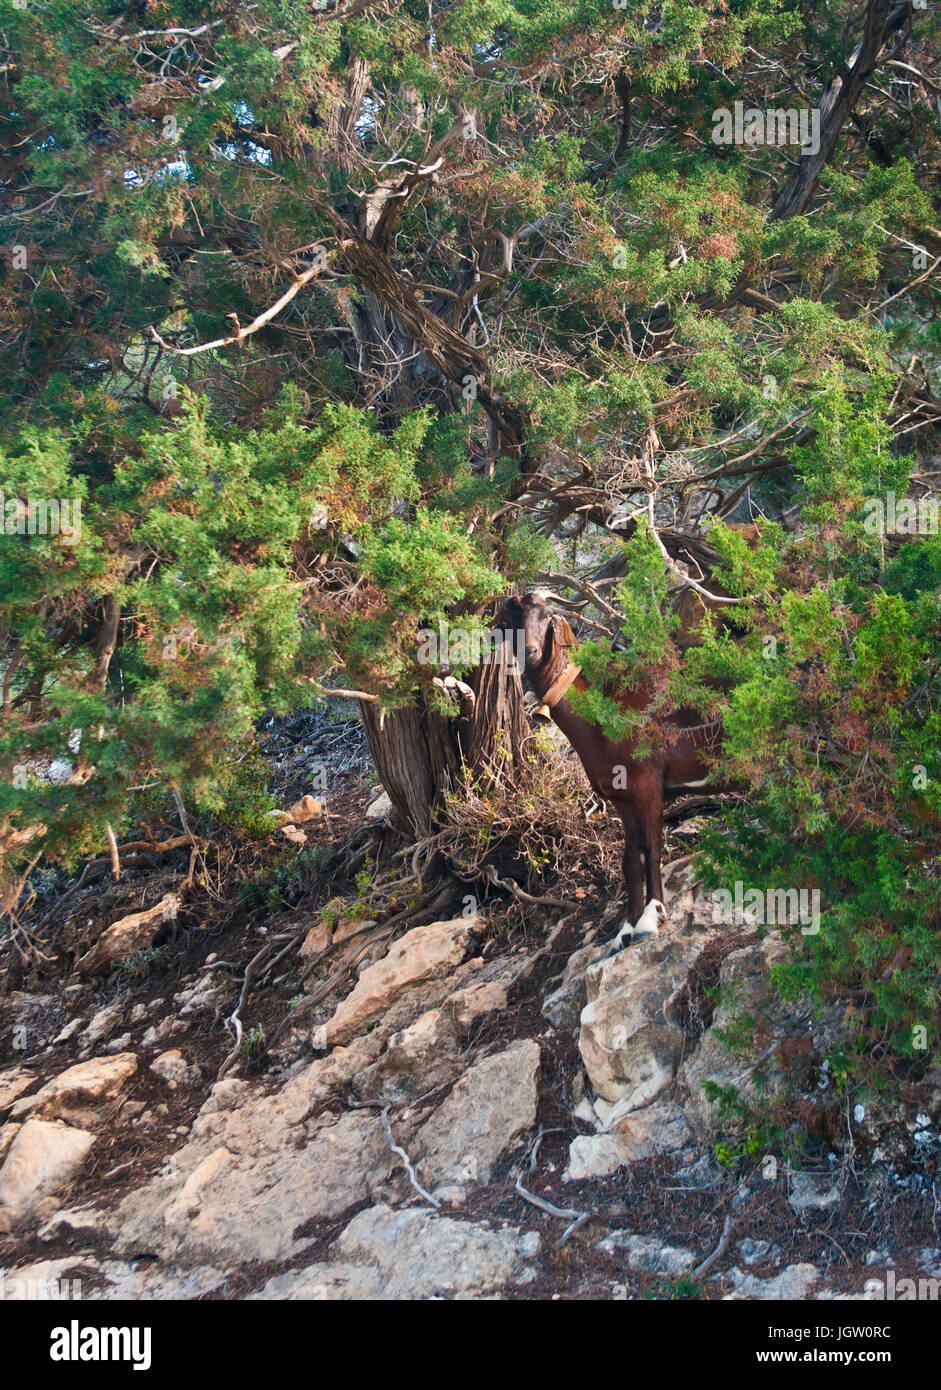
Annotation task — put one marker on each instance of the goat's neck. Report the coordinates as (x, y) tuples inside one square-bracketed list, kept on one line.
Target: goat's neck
[(572, 725), (578, 730), (549, 672)]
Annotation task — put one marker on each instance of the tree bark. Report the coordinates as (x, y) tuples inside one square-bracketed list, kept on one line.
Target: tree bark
[(422, 755)]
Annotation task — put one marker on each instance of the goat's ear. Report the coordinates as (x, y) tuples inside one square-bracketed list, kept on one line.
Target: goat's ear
[(563, 633)]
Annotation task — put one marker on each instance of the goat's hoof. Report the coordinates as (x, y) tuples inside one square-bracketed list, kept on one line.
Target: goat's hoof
[(645, 934)]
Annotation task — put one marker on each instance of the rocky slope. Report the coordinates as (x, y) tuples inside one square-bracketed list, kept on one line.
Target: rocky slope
[(481, 1114)]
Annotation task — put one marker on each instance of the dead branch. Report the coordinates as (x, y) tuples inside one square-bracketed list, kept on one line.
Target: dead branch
[(242, 333), (328, 693), (113, 847)]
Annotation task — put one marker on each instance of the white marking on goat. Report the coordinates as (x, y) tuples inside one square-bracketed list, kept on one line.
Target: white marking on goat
[(646, 928)]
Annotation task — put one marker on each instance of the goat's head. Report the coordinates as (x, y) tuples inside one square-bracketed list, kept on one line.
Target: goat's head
[(546, 635)]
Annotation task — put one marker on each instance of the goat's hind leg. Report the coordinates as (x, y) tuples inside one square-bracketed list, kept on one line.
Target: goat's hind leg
[(632, 865), (652, 840)]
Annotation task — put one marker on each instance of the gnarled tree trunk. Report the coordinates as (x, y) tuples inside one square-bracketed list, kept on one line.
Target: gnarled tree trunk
[(421, 754)]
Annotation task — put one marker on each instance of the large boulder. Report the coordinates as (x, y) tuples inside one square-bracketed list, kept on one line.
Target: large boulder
[(417, 1058), (744, 988), (410, 1254), (486, 1111), (255, 1168), (419, 955), (632, 1034), (246, 1199), (42, 1159), (76, 1092)]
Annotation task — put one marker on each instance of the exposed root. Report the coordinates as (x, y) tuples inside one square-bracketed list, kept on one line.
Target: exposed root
[(385, 1107), (575, 1218)]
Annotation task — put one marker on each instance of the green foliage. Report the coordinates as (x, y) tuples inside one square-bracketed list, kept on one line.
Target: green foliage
[(832, 714), (582, 302), (246, 801), (198, 535), (141, 963), (648, 628), (254, 1042)]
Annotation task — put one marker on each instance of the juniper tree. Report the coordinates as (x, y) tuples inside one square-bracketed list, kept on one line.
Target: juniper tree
[(342, 319)]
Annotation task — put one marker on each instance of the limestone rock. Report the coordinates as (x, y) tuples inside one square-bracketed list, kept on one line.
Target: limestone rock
[(85, 1222), (102, 1025), (412, 1254), (84, 1086), (322, 1283), (8, 1133), (419, 955), (127, 936), (67, 1278), (350, 925), (794, 1282), (41, 1160), (380, 808), (745, 980), (592, 1156), (13, 1083), (752, 1250), (417, 1058), (631, 1037), (467, 1005), (650, 1254), (206, 994), (69, 1031), (489, 1107), (308, 808), (659, 1128), (173, 1068), (563, 1007), (813, 1192), (253, 1172), (316, 940)]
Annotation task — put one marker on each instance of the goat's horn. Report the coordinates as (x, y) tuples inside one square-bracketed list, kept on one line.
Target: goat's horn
[(549, 596)]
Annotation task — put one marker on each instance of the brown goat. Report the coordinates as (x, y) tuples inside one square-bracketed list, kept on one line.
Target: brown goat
[(637, 787)]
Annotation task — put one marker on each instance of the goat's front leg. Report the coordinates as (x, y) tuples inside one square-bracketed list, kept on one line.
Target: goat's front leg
[(631, 865)]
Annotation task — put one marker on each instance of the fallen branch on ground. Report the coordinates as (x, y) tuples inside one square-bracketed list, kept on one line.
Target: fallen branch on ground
[(719, 1251)]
